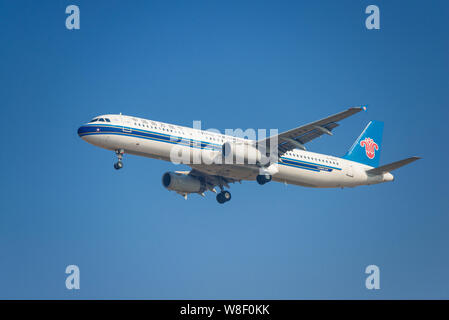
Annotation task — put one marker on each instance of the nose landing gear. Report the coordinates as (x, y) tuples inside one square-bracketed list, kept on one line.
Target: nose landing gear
[(119, 163)]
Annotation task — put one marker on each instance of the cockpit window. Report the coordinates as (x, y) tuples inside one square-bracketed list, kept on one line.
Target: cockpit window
[(100, 120)]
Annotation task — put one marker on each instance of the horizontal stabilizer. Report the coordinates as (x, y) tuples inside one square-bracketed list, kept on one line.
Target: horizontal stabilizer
[(391, 166)]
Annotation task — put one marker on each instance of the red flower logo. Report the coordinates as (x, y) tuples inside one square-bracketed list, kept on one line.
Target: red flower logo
[(370, 147)]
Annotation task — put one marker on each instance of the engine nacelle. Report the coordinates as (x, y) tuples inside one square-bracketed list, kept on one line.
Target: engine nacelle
[(182, 183), (240, 153)]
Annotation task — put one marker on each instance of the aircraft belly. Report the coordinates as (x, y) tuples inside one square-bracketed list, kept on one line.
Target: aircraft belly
[(308, 178), (235, 172), (138, 146)]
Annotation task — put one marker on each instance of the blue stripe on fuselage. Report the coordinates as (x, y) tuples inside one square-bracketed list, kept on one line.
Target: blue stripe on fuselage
[(167, 138), (151, 135)]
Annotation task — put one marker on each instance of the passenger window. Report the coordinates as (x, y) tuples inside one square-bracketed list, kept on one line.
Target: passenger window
[(107, 120)]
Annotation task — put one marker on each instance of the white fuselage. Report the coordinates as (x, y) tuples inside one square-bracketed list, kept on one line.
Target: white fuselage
[(154, 139)]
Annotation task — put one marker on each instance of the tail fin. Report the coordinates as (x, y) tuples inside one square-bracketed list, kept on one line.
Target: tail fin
[(366, 149)]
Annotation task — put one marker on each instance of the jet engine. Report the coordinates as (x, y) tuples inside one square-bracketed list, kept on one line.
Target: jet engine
[(240, 153), (182, 183)]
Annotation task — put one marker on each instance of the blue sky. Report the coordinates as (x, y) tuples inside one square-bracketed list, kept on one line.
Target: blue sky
[(230, 64)]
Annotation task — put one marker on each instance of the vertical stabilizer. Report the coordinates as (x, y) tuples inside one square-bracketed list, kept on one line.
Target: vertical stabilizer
[(366, 149)]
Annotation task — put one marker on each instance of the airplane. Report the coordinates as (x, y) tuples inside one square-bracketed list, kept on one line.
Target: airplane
[(287, 160)]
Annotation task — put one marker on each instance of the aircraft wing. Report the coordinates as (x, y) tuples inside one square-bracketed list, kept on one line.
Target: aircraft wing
[(211, 175), (297, 137)]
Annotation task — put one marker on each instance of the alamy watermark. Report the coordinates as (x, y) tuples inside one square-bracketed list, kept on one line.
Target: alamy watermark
[(73, 20), (372, 282), (236, 146), (73, 279), (373, 20)]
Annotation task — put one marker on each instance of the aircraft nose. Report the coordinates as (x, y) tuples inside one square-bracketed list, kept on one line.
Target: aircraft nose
[(83, 130)]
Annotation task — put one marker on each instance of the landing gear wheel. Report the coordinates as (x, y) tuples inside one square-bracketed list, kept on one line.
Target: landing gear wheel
[(226, 195), (119, 163), (263, 178), (223, 196), (220, 198)]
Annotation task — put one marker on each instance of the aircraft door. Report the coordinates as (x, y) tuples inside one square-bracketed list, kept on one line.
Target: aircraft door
[(350, 172), (125, 128)]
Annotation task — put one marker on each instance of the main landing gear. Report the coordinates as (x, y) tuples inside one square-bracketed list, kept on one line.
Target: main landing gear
[(223, 196), (263, 178), (119, 163)]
